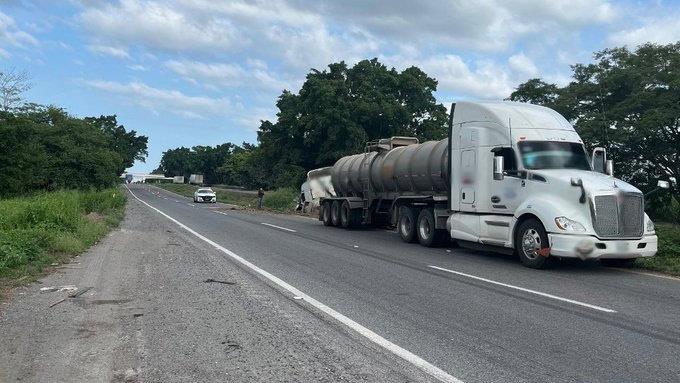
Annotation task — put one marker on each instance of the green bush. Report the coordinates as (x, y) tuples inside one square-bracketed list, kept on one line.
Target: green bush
[(36, 228), (667, 258), (283, 199)]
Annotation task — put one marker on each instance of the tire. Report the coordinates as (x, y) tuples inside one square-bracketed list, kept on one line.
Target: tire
[(531, 239), (428, 236), (407, 225), (618, 262), (326, 214), (335, 213), (345, 215)]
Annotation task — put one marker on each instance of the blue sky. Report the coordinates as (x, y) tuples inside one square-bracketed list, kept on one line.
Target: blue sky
[(202, 72)]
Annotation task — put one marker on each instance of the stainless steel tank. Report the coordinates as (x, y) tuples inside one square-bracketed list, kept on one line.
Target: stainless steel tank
[(413, 169)]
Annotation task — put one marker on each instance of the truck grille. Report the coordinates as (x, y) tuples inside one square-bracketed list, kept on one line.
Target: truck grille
[(616, 217)]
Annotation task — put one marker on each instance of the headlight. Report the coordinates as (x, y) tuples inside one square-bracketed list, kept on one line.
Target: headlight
[(567, 224), (650, 226)]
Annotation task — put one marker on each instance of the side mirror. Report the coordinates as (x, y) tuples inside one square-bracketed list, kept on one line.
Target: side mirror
[(498, 168), (663, 184), (609, 168), (599, 160)]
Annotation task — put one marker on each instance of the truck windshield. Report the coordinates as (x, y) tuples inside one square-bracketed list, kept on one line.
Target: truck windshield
[(553, 155)]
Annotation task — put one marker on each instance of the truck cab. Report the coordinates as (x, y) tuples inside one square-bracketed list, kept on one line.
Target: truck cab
[(523, 180)]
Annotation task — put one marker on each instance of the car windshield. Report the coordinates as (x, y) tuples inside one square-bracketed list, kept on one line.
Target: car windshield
[(553, 155), (205, 191)]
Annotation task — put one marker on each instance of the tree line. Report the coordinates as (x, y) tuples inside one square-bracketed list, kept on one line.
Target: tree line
[(43, 148), (335, 113)]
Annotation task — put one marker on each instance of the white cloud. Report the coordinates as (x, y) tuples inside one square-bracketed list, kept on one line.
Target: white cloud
[(11, 35), (157, 25), (483, 80), (522, 64), (660, 31), (117, 52), (167, 100), (137, 67), (218, 75)]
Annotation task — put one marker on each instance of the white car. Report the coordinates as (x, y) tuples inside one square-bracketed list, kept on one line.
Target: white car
[(205, 195)]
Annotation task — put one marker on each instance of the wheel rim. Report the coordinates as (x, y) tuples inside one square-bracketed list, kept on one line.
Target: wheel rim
[(425, 229), (531, 244)]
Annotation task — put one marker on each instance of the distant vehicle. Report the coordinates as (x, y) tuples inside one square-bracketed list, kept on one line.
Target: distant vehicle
[(178, 179), (205, 195), (509, 176), (196, 179)]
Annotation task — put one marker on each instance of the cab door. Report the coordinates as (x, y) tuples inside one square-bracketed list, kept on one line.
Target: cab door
[(468, 173), (506, 193)]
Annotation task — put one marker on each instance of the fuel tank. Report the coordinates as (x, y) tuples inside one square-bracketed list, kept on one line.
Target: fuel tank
[(410, 169)]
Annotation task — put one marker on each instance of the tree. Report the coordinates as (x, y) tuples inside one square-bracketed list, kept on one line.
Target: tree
[(12, 85), (339, 109), (44, 148), (627, 101)]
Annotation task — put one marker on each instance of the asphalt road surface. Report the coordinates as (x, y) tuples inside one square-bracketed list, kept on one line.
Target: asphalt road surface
[(368, 307)]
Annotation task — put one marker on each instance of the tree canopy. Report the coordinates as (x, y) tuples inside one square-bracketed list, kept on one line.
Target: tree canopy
[(334, 114), (628, 102), (44, 148)]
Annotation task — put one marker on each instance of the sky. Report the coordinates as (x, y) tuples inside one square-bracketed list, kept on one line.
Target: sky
[(205, 72)]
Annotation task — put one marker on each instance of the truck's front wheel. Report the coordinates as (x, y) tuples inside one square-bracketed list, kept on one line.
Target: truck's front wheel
[(531, 243), (407, 224)]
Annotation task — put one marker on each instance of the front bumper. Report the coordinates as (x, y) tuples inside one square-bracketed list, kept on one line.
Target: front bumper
[(206, 199), (590, 247)]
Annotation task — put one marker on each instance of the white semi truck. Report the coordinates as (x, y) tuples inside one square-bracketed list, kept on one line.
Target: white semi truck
[(510, 176)]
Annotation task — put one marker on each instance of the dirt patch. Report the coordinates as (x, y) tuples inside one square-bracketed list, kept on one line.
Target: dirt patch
[(94, 217)]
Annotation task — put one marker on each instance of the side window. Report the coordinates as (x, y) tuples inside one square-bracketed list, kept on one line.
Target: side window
[(509, 160)]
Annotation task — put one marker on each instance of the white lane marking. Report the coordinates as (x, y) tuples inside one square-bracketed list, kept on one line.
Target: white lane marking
[(672, 278), (191, 204), (279, 227), (403, 353), (594, 307)]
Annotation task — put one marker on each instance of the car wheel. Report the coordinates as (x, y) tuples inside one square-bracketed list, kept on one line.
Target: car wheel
[(531, 244)]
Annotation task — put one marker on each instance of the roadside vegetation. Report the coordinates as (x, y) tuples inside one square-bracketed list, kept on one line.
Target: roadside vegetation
[(58, 178), (48, 228), (667, 260), (281, 200)]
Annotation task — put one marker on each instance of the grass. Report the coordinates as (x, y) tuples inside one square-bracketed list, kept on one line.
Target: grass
[(280, 200), (42, 229), (667, 260)]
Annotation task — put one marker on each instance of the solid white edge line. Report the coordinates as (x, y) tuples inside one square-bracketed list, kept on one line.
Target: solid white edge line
[(546, 295), (279, 227), (669, 277), (408, 356)]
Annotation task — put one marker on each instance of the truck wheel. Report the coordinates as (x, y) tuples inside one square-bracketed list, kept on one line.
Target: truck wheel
[(427, 234), (627, 262), (335, 213), (345, 215), (407, 224), (326, 214), (531, 242)]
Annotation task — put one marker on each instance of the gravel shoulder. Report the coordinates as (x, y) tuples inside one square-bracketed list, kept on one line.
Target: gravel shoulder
[(150, 316)]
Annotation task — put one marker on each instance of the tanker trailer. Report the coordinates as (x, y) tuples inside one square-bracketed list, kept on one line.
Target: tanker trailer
[(396, 180)]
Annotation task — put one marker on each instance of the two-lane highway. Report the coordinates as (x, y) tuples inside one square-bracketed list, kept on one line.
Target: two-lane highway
[(476, 316)]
